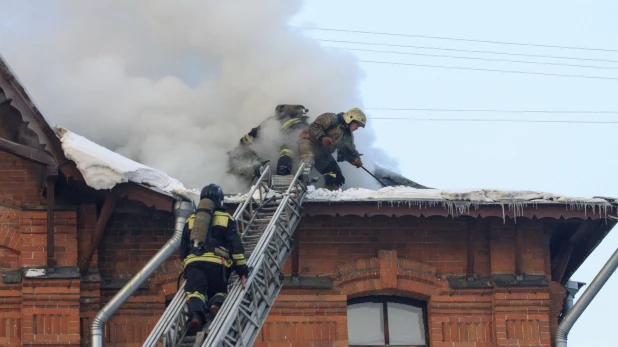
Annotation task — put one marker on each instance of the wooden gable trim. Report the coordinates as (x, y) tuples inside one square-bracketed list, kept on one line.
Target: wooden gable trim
[(18, 98)]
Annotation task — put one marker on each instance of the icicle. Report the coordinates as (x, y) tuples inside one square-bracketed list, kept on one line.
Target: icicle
[(450, 208), (503, 214)]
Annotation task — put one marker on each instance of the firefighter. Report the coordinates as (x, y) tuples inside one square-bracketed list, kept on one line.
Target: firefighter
[(208, 265), (327, 133), (291, 120)]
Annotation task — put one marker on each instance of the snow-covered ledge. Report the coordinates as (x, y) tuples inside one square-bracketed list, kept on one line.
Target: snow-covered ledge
[(104, 169)]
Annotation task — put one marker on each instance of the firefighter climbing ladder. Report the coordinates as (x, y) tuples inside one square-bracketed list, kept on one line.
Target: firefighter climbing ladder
[(267, 221)]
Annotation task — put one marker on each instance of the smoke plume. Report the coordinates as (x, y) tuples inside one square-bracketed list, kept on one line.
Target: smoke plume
[(175, 84)]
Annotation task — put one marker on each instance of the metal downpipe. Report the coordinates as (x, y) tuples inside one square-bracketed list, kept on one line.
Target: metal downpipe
[(182, 210), (599, 281)]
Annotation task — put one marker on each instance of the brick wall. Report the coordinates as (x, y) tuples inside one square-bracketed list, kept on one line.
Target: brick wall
[(50, 312), (59, 311), (440, 242), (404, 257), (35, 312), (38, 312), (130, 240), (19, 181), (411, 257), (9, 238)]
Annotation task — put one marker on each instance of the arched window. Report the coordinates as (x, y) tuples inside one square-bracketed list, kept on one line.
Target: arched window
[(387, 321)]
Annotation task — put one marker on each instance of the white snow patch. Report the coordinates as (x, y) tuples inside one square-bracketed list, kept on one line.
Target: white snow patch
[(458, 202), (455, 201), (35, 273), (104, 169), (478, 196)]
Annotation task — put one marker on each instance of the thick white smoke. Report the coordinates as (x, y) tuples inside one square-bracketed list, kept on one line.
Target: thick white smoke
[(175, 84)]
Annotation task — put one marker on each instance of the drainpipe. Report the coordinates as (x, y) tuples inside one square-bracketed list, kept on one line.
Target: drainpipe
[(182, 210), (583, 302), (572, 288)]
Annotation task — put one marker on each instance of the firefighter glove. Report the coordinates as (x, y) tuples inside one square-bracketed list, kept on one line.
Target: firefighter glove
[(327, 141), (357, 162), (241, 270)]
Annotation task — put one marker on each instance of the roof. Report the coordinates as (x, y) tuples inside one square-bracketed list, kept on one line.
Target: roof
[(30, 114), (47, 139), (104, 169)]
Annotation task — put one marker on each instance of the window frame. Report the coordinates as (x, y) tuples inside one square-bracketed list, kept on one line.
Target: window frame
[(384, 300)]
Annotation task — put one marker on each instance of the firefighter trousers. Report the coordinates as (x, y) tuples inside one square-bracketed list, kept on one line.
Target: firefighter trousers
[(206, 283)]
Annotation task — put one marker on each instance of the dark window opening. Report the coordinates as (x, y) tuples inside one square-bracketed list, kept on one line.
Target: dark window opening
[(387, 321)]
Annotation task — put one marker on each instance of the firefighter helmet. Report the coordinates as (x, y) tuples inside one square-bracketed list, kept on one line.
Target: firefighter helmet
[(355, 115), (214, 193), (291, 111)]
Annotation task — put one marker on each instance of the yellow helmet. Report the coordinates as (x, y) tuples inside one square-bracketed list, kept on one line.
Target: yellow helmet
[(355, 115)]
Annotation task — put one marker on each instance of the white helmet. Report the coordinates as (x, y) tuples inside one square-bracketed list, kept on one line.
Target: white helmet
[(355, 115)]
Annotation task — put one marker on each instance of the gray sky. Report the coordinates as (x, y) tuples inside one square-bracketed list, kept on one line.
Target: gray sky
[(570, 159)]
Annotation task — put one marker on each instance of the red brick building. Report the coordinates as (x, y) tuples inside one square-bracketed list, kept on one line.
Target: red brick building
[(414, 272)]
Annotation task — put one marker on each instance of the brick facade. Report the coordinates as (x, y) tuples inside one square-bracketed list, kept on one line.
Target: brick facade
[(35, 312), (411, 257), (406, 256)]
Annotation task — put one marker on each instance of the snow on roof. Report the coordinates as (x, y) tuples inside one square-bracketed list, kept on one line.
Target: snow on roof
[(478, 196), (455, 201), (460, 202), (103, 169)]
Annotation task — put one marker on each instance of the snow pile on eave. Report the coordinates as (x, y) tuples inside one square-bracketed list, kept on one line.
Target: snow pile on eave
[(104, 169), (406, 194), (458, 202), (477, 196)]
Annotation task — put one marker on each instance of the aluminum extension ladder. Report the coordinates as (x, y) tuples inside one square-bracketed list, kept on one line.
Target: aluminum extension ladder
[(267, 221)]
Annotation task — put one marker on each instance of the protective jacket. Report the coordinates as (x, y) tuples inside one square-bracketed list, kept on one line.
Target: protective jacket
[(332, 125), (290, 118), (223, 244), (314, 154)]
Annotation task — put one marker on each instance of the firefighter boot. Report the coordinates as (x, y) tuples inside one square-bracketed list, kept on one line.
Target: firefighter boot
[(215, 303), (195, 324), (284, 164)]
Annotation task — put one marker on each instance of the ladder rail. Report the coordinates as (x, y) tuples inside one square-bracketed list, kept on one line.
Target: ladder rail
[(249, 336), (265, 183), (244, 311), (171, 324), (294, 183), (277, 255)]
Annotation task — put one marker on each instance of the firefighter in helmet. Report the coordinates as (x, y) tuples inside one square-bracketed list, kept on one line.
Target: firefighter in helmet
[(327, 133), (290, 120), (209, 259)]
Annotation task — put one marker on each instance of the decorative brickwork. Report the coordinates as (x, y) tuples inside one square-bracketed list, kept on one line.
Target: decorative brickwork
[(411, 257)]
